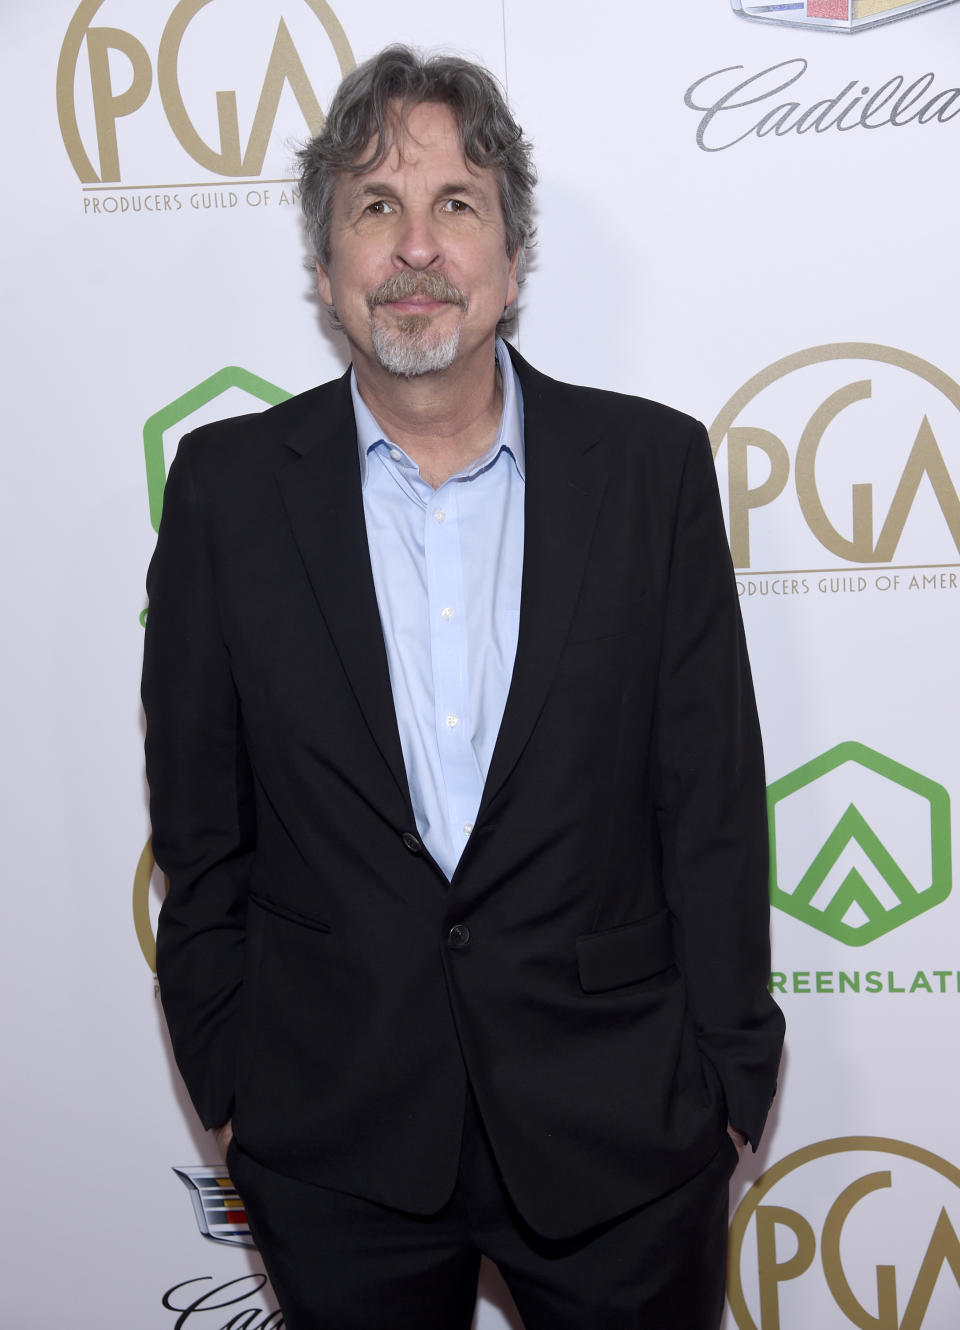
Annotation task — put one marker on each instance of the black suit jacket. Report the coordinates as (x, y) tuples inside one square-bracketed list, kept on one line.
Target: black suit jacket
[(607, 991)]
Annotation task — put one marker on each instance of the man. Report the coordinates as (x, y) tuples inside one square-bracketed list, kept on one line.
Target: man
[(456, 777)]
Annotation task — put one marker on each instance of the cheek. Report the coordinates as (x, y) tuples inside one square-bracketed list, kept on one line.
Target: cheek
[(348, 279), (499, 277)]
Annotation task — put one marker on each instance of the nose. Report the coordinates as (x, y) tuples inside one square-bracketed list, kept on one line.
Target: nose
[(418, 241)]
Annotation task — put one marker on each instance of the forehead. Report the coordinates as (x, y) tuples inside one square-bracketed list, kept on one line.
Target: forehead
[(425, 141)]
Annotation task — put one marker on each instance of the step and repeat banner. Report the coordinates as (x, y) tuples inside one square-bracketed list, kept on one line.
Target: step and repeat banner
[(745, 210)]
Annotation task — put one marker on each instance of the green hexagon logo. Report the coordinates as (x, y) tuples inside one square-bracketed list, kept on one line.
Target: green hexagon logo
[(232, 376), (882, 838)]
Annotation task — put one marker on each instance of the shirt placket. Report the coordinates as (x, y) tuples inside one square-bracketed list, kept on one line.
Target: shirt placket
[(449, 659)]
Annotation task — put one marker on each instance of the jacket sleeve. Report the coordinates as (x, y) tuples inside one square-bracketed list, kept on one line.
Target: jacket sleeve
[(712, 804), (200, 799)]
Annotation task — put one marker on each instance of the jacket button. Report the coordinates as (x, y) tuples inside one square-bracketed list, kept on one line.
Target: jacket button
[(411, 842), (458, 936)]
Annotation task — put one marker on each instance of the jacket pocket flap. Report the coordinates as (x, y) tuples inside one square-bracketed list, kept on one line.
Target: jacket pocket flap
[(287, 912), (625, 955)]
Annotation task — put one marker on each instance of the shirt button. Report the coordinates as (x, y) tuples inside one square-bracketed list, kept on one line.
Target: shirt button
[(446, 612), (458, 937), (396, 454), (411, 842), (452, 721), (467, 828), (439, 516)]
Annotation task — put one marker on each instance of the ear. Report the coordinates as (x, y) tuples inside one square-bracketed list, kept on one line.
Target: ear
[(513, 285), (324, 289)]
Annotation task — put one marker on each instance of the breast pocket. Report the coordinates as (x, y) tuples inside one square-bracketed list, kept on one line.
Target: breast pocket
[(595, 621)]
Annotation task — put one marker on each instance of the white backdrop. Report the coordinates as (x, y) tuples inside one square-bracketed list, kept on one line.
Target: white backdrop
[(778, 256)]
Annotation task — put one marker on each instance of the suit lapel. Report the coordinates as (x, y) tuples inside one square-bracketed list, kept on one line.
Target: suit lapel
[(565, 480), (322, 495), (564, 486)]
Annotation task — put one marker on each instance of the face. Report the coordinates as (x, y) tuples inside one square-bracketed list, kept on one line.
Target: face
[(418, 270)]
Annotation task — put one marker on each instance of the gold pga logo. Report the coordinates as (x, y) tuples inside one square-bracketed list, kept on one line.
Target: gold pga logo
[(195, 48), (859, 1225), (854, 445), (149, 888)]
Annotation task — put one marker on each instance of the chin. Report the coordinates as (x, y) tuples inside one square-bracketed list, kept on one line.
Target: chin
[(412, 348)]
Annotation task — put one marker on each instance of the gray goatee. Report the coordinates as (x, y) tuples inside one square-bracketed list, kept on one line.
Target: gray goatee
[(412, 346)]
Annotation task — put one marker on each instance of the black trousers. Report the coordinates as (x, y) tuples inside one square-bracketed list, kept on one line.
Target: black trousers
[(340, 1263)]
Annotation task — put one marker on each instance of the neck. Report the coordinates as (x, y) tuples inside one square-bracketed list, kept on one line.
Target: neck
[(443, 421)]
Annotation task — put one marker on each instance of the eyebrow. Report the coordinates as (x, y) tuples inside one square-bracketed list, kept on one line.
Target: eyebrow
[(368, 189), (380, 189), (462, 187)]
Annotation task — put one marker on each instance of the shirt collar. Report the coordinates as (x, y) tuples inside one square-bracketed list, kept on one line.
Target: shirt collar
[(509, 436)]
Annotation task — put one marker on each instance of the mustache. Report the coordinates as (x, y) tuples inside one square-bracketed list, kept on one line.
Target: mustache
[(404, 285)]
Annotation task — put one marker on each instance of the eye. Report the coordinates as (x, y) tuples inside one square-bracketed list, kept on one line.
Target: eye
[(378, 209), (456, 206)]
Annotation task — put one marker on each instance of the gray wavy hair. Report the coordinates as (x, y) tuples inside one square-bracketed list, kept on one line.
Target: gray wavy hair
[(363, 111)]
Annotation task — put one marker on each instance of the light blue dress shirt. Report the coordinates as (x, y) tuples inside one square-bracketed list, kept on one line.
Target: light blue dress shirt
[(447, 566)]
